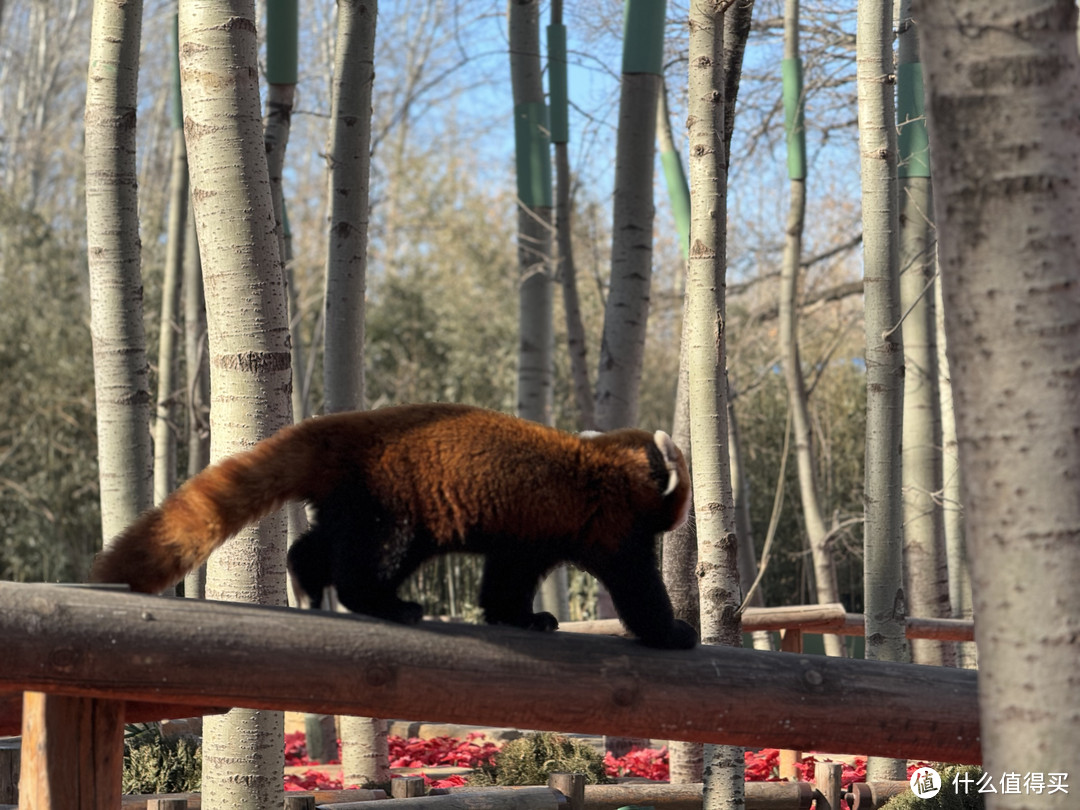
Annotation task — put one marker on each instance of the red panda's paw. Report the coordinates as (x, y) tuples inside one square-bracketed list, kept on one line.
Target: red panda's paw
[(544, 622), (409, 613), (680, 636)]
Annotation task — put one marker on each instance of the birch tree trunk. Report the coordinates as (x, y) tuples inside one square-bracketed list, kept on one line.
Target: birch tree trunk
[(718, 570), (243, 753), (281, 72), (364, 751), (1003, 98), (626, 312), (121, 383), (166, 422), (679, 557), (533, 148), (565, 269), (952, 504), (282, 44), (886, 604), (817, 534), (197, 380), (350, 172), (925, 566)]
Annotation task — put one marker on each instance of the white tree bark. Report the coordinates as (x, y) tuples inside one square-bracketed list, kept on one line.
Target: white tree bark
[(1003, 98), (626, 314), (350, 162), (828, 590), (363, 750), (536, 341), (197, 382), (121, 383), (243, 753), (952, 504), (714, 506), (883, 578), (926, 575), (166, 424)]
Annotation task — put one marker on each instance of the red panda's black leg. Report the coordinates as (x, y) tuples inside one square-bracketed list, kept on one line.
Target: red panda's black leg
[(309, 566), (507, 589), (367, 555), (362, 589), (641, 600)]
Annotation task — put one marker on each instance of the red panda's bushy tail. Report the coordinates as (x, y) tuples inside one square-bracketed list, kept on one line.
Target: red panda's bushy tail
[(167, 542)]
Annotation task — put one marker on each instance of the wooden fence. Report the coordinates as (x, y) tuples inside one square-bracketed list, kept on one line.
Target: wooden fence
[(568, 792), (89, 660)]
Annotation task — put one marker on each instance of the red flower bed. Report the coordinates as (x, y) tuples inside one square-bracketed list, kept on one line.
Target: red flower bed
[(410, 753), (440, 751), (650, 763), (314, 780)]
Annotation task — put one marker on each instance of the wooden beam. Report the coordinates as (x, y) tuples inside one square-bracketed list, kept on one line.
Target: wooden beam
[(72, 753), (827, 618), (160, 649), (11, 709), (662, 796), (759, 796), (194, 800)]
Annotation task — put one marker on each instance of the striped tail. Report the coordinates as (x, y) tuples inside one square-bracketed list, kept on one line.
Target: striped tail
[(167, 542)]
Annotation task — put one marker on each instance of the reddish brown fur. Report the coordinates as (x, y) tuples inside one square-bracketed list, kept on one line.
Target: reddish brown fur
[(451, 468)]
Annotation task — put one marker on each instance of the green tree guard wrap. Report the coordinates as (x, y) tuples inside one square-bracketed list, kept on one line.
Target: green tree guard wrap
[(533, 149), (282, 25), (791, 72), (560, 102), (912, 139), (643, 36), (679, 192), (176, 107)]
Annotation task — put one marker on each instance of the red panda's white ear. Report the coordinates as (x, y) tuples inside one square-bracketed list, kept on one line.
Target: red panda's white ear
[(671, 459), (589, 434)]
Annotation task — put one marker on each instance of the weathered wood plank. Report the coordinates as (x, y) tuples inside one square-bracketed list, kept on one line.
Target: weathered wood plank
[(137, 647), (72, 752)]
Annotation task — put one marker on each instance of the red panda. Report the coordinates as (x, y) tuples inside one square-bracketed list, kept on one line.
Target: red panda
[(395, 486)]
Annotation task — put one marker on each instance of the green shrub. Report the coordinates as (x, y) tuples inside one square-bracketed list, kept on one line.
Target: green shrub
[(531, 759), (155, 764), (947, 798)]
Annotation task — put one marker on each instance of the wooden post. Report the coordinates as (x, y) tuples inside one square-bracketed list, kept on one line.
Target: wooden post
[(9, 771), (304, 801), (873, 795), (830, 793), (791, 640), (72, 753), (406, 787), (570, 785)]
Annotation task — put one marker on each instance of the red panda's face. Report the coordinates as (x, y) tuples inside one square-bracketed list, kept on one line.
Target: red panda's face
[(683, 492), (675, 477)]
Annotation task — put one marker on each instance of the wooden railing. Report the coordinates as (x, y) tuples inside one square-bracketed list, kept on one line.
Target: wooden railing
[(89, 660), (829, 618)]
